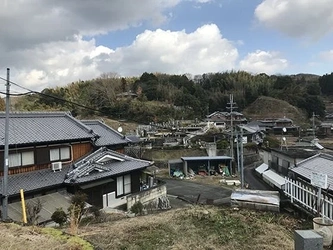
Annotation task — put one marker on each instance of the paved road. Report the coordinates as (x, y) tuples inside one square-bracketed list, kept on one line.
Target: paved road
[(189, 190), (254, 181)]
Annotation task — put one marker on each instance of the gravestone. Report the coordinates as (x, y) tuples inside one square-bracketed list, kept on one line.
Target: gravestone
[(308, 240)]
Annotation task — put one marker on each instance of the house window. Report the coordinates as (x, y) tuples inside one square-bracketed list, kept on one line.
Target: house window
[(285, 164), (57, 154), (123, 185), (21, 159)]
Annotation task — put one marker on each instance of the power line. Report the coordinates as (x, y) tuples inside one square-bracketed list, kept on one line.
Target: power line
[(46, 95), (18, 94)]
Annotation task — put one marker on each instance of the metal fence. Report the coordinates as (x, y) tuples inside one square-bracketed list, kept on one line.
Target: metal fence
[(307, 196)]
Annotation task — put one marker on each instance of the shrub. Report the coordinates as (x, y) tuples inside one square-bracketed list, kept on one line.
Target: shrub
[(59, 216), (137, 208)]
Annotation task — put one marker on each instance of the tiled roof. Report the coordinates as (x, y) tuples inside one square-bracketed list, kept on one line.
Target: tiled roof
[(108, 135), (34, 180), (36, 127), (320, 163), (101, 164)]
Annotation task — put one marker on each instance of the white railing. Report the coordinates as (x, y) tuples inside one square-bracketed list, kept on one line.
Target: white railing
[(306, 196)]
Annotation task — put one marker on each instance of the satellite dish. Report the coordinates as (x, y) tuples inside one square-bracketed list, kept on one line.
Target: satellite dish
[(284, 130), (120, 129)]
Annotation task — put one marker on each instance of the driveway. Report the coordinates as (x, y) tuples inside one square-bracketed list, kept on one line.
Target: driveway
[(190, 191)]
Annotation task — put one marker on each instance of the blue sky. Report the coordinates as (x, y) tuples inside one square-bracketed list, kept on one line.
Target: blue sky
[(53, 43)]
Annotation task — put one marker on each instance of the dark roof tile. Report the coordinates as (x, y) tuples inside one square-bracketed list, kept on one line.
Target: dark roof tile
[(37, 127)]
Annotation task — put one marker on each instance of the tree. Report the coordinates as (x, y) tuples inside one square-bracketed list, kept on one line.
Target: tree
[(326, 84)]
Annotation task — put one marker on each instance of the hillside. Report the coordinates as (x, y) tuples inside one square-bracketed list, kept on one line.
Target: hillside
[(268, 107), (194, 227)]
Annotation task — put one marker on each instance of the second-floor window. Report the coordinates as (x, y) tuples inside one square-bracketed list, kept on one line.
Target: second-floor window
[(58, 154), (21, 159)]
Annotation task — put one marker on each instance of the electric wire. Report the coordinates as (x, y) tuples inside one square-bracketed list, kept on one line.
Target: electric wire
[(46, 95)]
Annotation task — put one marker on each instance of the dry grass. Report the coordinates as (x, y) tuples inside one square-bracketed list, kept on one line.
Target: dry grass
[(197, 228), (16, 237)]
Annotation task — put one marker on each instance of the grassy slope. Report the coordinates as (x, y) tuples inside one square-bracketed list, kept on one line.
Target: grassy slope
[(196, 228), (16, 237), (268, 107)]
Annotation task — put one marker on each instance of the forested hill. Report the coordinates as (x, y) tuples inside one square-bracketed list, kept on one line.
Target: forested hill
[(161, 97)]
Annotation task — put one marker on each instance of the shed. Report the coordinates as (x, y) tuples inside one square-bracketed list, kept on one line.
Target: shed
[(274, 179), (207, 165), (262, 168)]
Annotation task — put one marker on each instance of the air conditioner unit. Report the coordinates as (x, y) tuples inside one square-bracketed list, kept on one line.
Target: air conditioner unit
[(56, 166)]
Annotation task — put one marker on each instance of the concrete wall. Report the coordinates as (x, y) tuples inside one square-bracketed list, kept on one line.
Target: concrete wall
[(147, 196), (265, 156)]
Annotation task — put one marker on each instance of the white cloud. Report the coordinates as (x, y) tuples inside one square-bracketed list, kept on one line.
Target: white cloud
[(203, 50), (58, 63), (176, 52), (268, 62), (45, 42), (297, 18), (326, 56)]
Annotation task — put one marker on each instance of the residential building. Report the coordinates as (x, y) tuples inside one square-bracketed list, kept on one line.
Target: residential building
[(52, 155)]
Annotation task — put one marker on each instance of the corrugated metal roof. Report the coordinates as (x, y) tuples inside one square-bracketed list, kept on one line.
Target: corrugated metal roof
[(206, 158), (274, 178), (93, 168), (320, 163), (36, 127), (107, 135), (262, 168)]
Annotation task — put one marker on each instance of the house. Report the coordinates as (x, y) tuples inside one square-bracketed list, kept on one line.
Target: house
[(325, 128), (38, 140), (47, 151), (224, 118), (108, 137), (252, 133), (320, 163), (118, 175), (284, 125), (282, 160)]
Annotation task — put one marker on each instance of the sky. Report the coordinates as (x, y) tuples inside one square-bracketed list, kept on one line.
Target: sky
[(49, 43)]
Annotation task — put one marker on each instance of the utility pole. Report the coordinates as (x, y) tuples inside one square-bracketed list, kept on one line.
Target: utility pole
[(242, 158), (231, 107), (313, 125), (238, 166), (6, 160)]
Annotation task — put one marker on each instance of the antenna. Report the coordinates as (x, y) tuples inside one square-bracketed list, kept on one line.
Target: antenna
[(120, 129), (284, 139)]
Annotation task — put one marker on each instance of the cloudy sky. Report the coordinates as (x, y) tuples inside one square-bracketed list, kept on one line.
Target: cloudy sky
[(48, 43)]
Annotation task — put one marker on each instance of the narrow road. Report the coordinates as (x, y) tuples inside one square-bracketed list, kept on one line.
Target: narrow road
[(190, 191), (254, 181)]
